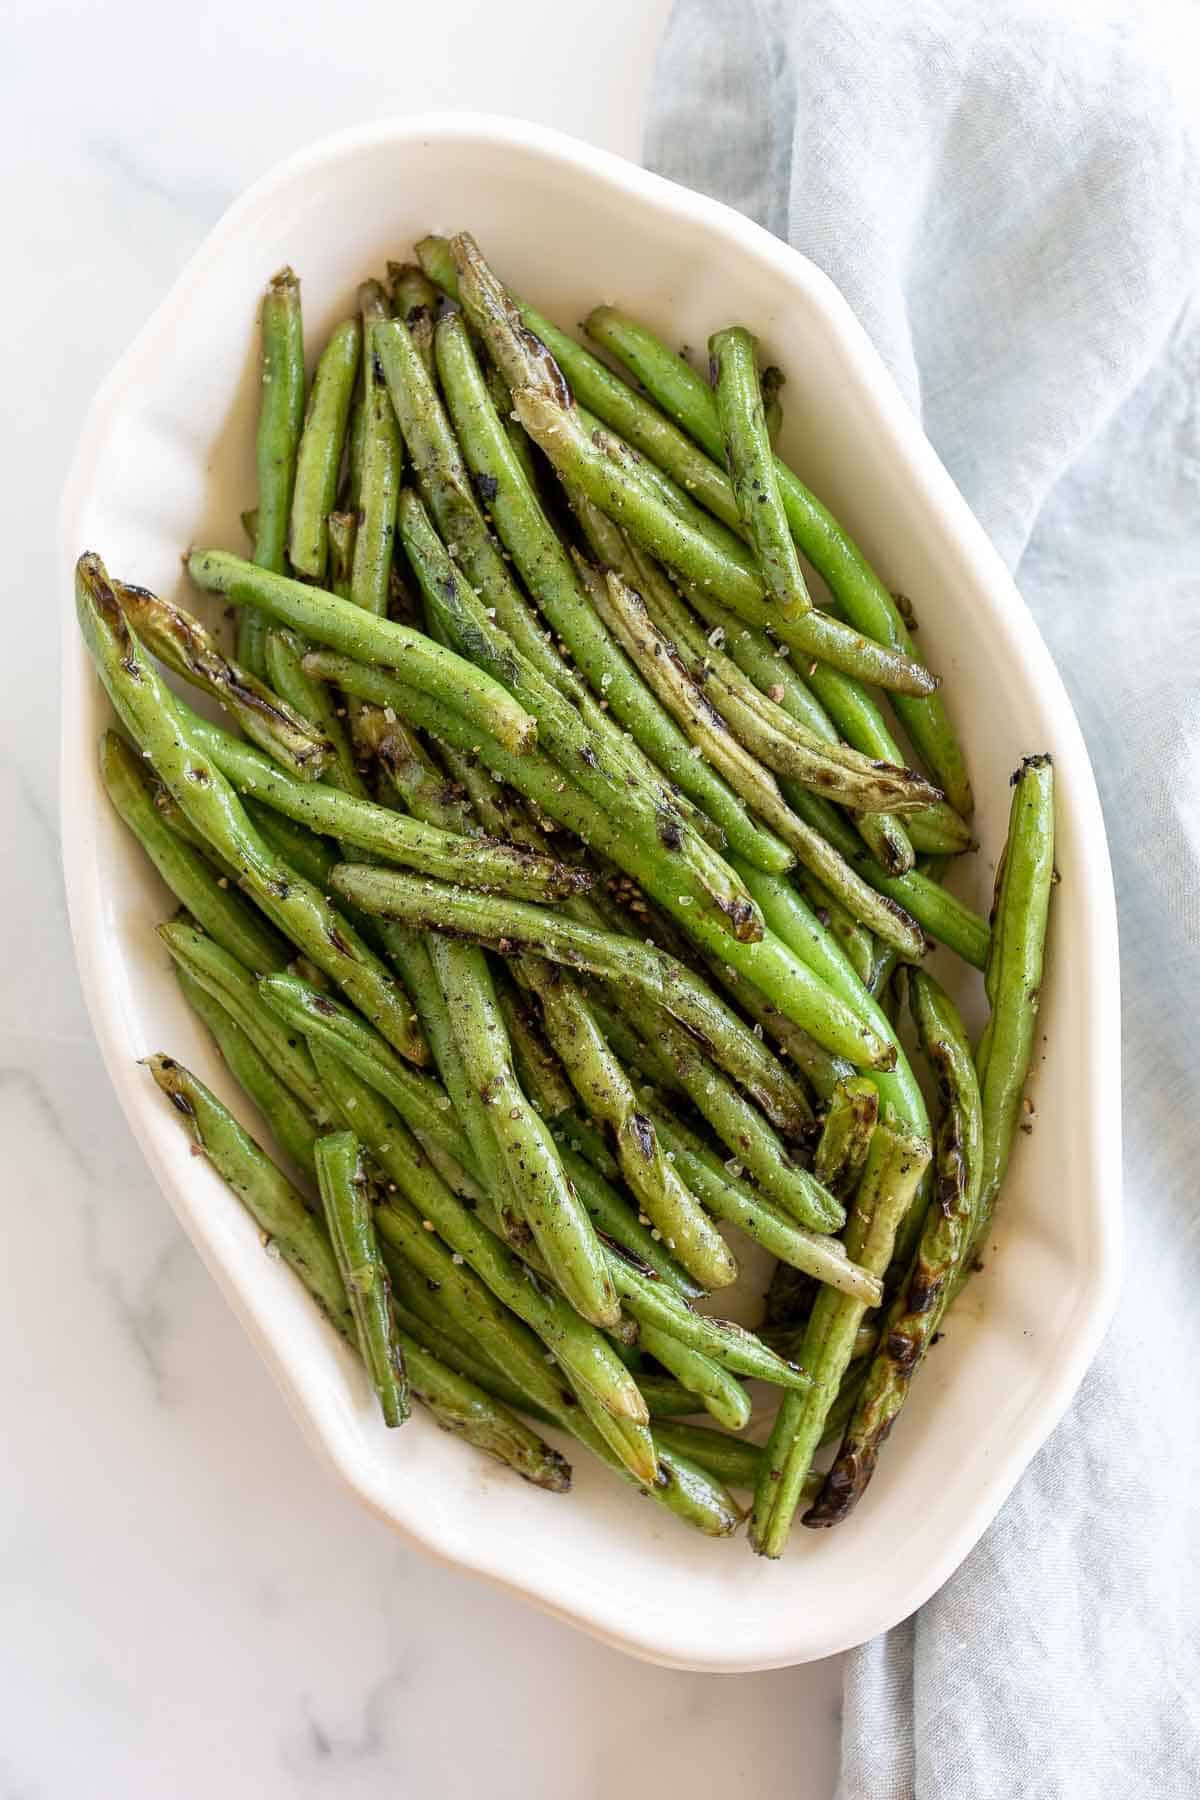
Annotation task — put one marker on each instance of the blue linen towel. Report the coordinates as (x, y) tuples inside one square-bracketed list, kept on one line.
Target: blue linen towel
[(1007, 195)]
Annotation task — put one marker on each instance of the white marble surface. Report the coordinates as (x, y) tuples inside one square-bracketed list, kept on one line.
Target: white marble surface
[(191, 1605)]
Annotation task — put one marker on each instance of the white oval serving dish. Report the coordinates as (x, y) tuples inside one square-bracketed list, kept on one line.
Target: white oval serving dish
[(166, 459)]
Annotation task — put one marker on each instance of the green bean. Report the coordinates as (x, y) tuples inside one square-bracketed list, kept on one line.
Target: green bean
[(746, 1134), (838, 1416), (447, 490), (347, 1208), (729, 1345), (280, 418), (466, 1307), (548, 1204), (431, 1326), (518, 927), (679, 1484), (731, 1460), (620, 406), (638, 1052), (378, 456), (591, 464), (181, 641), (855, 939), (733, 1200), (772, 381), (895, 1164), (522, 359), (940, 914), (856, 712), (480, 1150), (367, 413), (882, 970), (838, 774), (662, 487), (788, 915), (858, 717), (846, 1134), (757, 727), (276, 1207), (886, 839), (540, 1073), (209, 802), (419, 784), (319, 456), (348, 493), (420, 1100), (501, 479), (666, 1398), (819, 1069), (521, 447), (466, 1409), (343, 531), (490, 1428), (583, 1139), (720, 1394), (416, 1306), (767, 665), (893, 995), (884, 917), (280, 1213), (789, 1342), (308, 853), (283, 654), (224, 915), (500, 868), (580, 1349), (788, 1303), (407, 778), (686, 398), (602, 761), (612, 1215), (643, 426), (289, 1121), (652, 654), (629, 1442), (173, 817), (561, 731), (604, 1089), (500, 810), (944, 1243), (234, 988), (443, 1285), (446, 487), (346, 627), (781, 739), (692, 1494), (751, 463), (1015, 974), (555, 584), (751, 1064), (578, 1135), (373, 306), (785, 981), (411, 291)]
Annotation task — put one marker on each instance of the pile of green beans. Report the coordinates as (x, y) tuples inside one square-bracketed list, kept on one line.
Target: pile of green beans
[(552, 886)]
